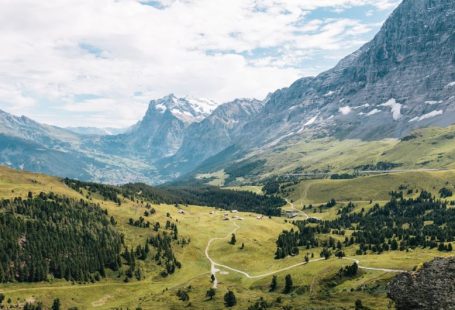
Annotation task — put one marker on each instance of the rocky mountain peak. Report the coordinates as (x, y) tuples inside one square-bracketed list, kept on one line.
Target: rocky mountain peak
[(187, 109)]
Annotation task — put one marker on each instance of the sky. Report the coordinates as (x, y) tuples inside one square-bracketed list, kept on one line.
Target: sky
[(98, 63)]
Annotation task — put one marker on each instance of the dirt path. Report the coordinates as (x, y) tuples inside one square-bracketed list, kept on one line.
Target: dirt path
[(214, 264), (373, 268)]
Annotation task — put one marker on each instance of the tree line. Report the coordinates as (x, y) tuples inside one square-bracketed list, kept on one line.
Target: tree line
[(195, 195), (58, 236), (401, 224)]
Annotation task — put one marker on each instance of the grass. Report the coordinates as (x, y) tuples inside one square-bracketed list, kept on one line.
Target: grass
[(257, 257), (365, 188), (428, 148)]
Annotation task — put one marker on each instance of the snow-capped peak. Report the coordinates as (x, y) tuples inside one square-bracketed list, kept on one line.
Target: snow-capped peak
[(187, 109)]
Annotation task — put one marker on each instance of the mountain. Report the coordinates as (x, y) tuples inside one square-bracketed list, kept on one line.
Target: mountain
[(403, 79), (212, 135), (160, 132), (25, 128), (29, 145), (400, 81), (108, 131)]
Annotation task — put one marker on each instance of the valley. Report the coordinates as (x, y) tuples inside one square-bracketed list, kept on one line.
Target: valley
[(246, 267), (333, 192)]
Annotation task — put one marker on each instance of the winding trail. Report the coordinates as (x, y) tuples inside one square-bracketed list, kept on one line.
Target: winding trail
[(214, 264)]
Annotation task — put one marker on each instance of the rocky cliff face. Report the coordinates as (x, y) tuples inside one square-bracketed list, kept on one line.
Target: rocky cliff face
[(430, 288), (161, 131), (403, 79), (212, 135)]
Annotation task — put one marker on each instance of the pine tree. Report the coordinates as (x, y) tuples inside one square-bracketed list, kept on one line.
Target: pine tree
[(233, 240), (229, 299), (274, 284), (56, 304), (287, 284), (358, 305), (210, 293)]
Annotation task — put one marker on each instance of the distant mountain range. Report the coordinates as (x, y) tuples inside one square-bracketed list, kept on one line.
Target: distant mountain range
[(402, 80)]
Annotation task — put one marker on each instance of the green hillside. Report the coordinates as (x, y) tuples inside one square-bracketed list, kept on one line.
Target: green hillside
[(246, 267), (429, 148)]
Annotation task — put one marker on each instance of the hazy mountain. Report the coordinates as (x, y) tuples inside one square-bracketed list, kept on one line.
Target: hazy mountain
[(108, 131), (28, 145), (213, 134), (160, 132)]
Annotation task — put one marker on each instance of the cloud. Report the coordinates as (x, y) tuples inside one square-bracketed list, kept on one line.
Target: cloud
[(54, 51)]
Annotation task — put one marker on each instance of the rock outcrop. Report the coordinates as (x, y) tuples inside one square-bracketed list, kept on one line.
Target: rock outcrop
[(430, 288)]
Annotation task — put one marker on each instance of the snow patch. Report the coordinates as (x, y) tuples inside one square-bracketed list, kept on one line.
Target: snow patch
[(373, 112), (451, 84), (426, 116), (160, 107), (311, 121), (345, 110), (330, 93), (432, 102), (395, 107)]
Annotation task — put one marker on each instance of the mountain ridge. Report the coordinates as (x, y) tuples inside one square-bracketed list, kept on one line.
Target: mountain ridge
[(402, 80)]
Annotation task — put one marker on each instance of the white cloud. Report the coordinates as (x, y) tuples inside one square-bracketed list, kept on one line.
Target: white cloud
[(54, 51)]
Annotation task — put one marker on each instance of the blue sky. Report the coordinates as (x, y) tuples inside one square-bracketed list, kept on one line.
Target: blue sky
[(98, 63)]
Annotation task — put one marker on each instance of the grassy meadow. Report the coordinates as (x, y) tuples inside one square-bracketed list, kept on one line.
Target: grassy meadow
[(258, 235)]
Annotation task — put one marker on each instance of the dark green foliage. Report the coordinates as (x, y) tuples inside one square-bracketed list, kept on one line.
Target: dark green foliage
[(183, 295), (164, 256), (271, 187), (289, 241), (33, 306), (196, 195), (229, 299), (56, 304), (326, 253), (55, 235), (233, 240), (210, 293), (207, 196), (242, 169), (400, 224), (260, 304), (273, 284), (380, 166), (445, 192), (359, 306), (287, 284), (343, 176), (2, 297), (349, 271), (141, 222), (108, 192)]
